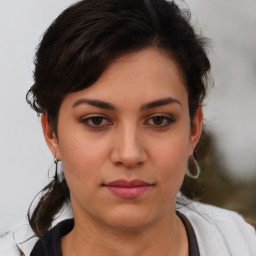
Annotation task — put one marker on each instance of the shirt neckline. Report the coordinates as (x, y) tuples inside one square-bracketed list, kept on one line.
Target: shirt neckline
[(50, 243), (192, 241)]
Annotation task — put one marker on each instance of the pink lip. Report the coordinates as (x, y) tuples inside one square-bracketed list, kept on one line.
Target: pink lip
[(128, 189)]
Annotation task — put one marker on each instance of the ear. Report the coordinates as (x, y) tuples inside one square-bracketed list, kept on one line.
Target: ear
[(50, 136), (196, 128)]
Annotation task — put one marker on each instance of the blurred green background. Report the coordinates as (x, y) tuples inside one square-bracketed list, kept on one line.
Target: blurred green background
[(227, 150), (217, 187)]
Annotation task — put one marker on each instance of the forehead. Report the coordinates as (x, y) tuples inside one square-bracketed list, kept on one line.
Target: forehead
[(139, 77)]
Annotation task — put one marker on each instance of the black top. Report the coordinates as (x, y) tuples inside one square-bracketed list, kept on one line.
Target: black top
[(192, 242), (49, 244)]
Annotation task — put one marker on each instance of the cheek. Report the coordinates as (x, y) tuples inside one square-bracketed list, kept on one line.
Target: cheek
[(82, 157), (170, 159), (173, 149)]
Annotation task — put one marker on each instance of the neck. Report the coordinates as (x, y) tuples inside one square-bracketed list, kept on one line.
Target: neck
[(165, 237)]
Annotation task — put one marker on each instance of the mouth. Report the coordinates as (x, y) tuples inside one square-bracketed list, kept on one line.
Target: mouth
[(128, 189)]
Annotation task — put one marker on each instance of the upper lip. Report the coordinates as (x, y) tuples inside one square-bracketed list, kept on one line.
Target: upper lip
[(127, 183)]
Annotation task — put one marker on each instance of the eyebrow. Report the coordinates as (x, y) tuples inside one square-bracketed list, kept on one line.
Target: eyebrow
[(106, 105), (160, 102), (95, 103)]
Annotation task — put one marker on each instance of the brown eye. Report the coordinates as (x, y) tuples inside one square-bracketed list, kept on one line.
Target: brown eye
[(96, 122), (160, 121)]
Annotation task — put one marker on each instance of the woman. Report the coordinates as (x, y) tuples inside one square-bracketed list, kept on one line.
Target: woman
[(119, 86)]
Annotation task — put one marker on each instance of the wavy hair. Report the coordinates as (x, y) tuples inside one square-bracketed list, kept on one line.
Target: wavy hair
[(81, 43)]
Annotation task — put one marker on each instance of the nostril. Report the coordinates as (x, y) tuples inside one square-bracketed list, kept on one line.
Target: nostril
[(129, 165)]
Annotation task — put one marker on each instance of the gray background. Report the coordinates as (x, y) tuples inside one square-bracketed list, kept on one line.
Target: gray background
[(230, 112)]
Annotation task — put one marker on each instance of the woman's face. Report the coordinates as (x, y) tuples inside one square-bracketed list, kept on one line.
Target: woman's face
[(124, 142)]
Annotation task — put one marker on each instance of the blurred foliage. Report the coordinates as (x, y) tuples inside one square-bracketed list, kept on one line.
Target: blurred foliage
[(217, 188)]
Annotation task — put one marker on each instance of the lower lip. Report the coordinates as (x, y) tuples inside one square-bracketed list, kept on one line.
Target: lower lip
[(128, 192)]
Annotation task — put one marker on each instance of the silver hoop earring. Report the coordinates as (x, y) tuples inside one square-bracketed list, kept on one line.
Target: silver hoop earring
[(192, 170)]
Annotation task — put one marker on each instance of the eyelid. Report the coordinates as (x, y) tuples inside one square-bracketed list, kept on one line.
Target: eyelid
[(169, 118), (86, 119)]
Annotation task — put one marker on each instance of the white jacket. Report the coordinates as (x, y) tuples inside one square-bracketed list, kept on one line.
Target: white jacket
[(219, 232)]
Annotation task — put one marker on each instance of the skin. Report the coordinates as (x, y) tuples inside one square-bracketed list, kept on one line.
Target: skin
[(127, 143)]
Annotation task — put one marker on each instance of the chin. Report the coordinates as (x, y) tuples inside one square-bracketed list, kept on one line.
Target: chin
[(131, 218)]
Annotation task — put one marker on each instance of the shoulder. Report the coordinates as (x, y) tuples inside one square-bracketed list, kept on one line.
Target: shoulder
[(219, 231), (19, 240), (23, 239)]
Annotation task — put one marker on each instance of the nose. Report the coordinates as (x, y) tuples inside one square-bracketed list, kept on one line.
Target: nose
[(128, 148)]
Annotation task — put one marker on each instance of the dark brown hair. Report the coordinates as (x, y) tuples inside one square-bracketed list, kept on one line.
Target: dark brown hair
[(81, 43)]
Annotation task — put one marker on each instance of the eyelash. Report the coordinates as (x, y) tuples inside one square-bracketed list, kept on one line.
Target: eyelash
[(90, 119), (167, 119)]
